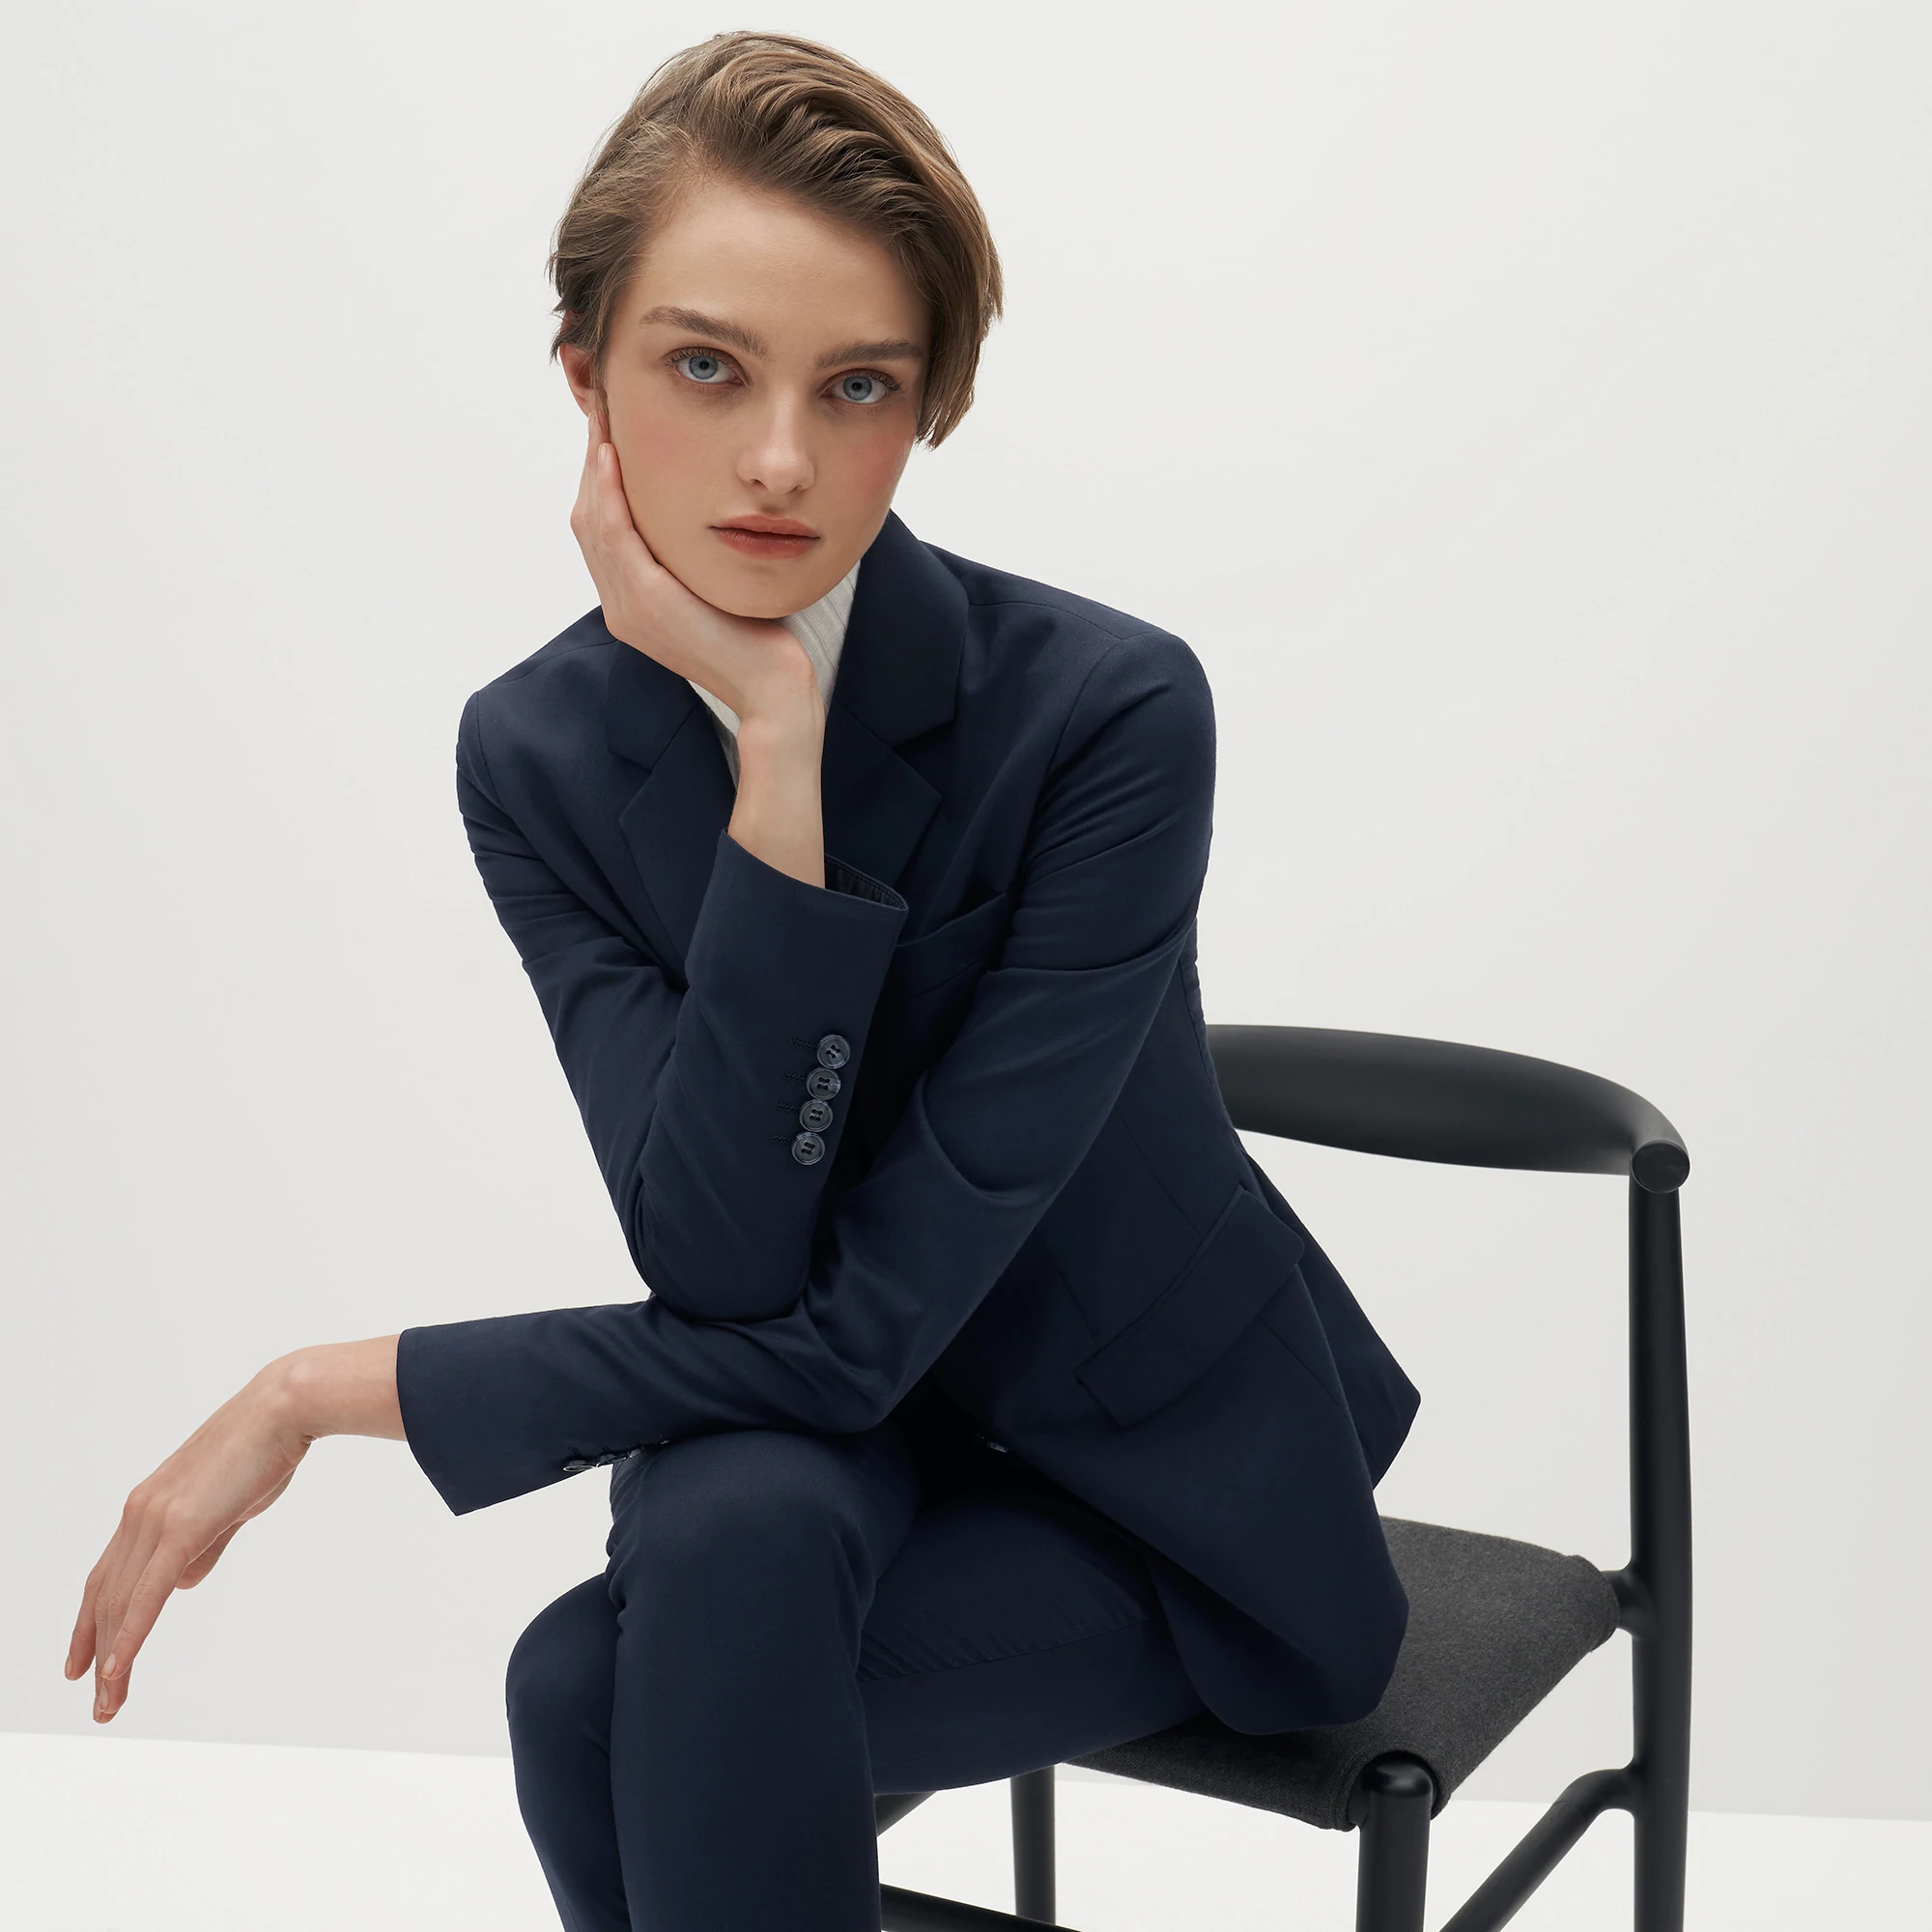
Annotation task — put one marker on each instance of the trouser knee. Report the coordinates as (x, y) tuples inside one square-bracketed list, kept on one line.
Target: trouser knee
[(748, 1514), (561, 1670)]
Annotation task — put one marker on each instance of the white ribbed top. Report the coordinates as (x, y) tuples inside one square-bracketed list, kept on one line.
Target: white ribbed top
[(821, 629)]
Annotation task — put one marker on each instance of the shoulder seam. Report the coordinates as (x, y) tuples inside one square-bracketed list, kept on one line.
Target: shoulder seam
[(474, 710), (1114, 644), (1137, 627), (537, 659)]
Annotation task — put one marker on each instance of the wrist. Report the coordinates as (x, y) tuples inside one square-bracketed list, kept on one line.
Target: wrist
[(280, 1394), (336, 1388), (785, 699), (791, 736)]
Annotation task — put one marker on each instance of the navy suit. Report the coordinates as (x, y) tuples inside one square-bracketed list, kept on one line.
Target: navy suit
[(1024, 1198)]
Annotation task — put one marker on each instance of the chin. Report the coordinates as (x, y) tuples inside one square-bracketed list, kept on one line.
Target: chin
[(766, 594), (769, 605)]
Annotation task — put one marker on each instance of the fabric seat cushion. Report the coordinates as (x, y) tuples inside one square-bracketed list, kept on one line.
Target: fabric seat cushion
[(1495, 1626)]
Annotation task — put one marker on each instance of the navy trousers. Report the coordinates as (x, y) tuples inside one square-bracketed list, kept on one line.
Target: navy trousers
[(790, 1623)]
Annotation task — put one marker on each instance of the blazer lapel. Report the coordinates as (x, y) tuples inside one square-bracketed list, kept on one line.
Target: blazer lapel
[(652, 717), (899, 678)]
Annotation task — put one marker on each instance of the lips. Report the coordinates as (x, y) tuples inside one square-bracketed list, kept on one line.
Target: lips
[(766, 536), (767, 527)]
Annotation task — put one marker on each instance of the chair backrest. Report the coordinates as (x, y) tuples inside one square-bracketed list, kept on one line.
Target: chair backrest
[(1434, 1099)]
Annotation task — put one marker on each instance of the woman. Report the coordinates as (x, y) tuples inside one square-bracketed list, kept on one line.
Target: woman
[(989, 1405)]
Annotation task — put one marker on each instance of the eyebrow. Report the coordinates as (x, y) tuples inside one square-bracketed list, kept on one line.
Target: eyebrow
[(700, 323), (893, 350)]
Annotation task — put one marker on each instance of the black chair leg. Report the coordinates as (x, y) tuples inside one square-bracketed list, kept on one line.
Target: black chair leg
[(1033, 1845), (1656, 1590), (1392, 1802), (1663, 1824)]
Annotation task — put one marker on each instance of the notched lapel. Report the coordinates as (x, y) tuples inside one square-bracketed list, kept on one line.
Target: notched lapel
[(899, 678), (876, 806), (654, 719)]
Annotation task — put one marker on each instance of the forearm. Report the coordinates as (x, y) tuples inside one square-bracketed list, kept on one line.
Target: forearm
[(690, 1089), (778, 816), (339, 1388), (503, 1404)]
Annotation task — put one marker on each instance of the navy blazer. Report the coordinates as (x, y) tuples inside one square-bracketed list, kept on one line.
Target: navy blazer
[(1019, 1185)]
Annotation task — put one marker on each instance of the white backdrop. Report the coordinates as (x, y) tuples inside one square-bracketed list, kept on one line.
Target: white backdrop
[(1522, 407)]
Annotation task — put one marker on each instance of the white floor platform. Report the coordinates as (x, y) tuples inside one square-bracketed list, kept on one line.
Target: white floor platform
[(111, 1834)]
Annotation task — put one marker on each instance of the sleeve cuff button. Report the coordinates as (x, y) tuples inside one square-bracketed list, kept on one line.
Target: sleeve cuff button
[(808, 1150), (833, 1050)]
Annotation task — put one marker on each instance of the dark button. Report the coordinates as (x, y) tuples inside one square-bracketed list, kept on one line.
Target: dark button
[(833, 1050), (821, 1083), (575, 1463), (815, 1115), (808, 1150)]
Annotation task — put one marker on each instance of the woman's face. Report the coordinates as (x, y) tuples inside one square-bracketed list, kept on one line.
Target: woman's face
[(762, 384)]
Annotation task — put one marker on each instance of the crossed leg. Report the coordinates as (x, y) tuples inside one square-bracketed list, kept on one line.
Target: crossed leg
[(787, 1624)]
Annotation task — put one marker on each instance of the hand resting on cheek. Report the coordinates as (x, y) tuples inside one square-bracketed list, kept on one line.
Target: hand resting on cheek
[(754, 665)]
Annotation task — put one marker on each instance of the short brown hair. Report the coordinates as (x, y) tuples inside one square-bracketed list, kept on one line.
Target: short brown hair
[(799, 119)]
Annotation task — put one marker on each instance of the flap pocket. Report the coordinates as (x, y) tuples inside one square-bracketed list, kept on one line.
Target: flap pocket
[(1235, 1273), (960, 945)]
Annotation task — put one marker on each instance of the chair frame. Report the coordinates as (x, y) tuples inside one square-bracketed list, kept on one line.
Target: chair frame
[(1437, 1100)]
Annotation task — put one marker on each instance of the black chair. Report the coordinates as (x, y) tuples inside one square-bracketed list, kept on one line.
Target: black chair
[(1494, 1624)]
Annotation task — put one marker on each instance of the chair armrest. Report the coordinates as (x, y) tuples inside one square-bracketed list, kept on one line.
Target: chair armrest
[(1433, 1099)]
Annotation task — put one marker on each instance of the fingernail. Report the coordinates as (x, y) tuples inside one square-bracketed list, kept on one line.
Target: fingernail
[(107, 1669)]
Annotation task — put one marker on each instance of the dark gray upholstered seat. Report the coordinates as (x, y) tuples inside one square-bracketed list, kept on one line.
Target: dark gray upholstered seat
[(1493, 1627)]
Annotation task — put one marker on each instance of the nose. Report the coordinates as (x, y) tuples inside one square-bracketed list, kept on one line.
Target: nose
[(778, 456)]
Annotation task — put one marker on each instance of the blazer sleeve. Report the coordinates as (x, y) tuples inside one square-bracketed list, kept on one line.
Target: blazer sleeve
[(1107, 896), (691, 1096)]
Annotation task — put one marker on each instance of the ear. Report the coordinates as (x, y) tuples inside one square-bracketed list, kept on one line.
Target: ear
[(581, 376)]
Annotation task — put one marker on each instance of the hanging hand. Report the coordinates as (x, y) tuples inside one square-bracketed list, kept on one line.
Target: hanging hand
[(176, 1524)]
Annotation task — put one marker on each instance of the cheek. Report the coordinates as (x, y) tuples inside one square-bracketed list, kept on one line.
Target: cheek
[(670, 453), (871, 464)]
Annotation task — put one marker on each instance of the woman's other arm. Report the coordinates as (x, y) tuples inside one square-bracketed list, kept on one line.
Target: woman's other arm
[(174, 1526)]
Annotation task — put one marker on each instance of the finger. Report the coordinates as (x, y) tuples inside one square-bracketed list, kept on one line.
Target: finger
[(80, 1645), (86, 1646), (110, 1605), (586, 478), (145, 1602), (151, 1590), (583, 512), (619, 529), (109, 1698)]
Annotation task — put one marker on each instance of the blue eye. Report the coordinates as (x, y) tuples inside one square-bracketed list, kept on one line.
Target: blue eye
[(862, 389), (703, 367)]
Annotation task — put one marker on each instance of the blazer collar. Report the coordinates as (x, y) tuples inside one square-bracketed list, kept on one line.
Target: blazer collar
[(899, 678), (899, 675)]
